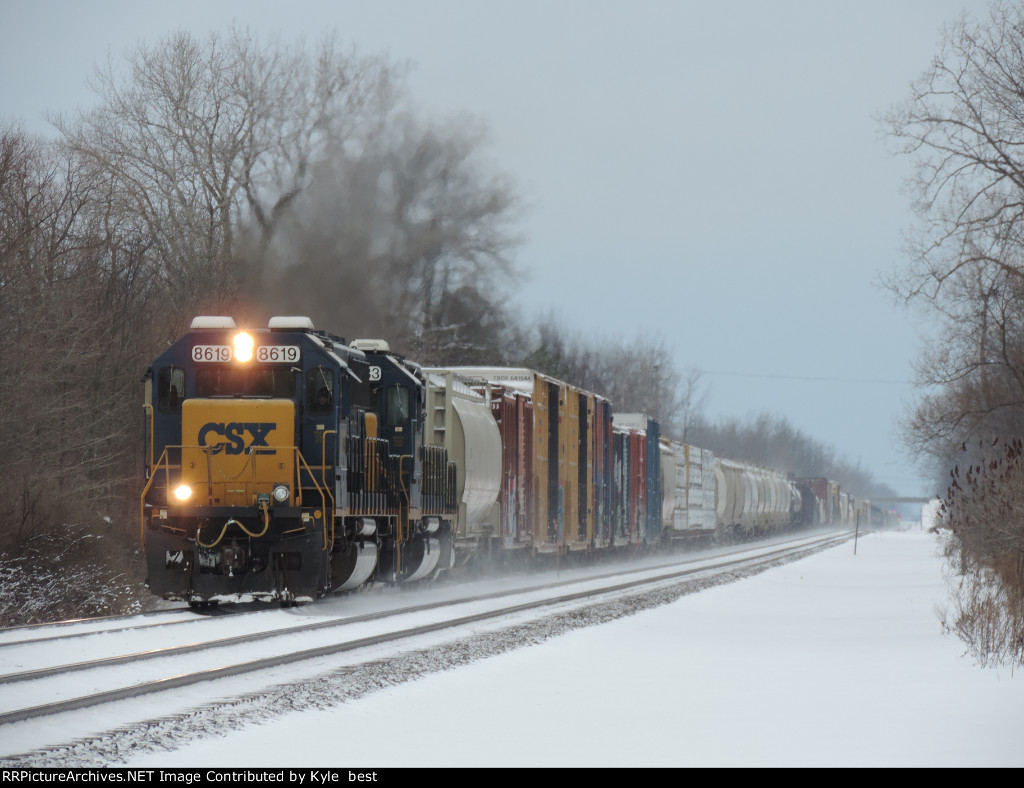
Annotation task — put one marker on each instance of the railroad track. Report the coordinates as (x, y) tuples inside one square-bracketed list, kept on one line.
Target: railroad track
[(87, 627), (38, 692)]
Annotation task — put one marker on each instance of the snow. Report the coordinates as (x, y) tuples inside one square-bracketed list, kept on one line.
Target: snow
[(835, 660), (838, 659)]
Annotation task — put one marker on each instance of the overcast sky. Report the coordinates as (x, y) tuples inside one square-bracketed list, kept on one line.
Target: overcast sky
[(710, 174)]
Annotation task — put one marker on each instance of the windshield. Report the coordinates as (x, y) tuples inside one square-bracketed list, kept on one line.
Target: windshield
[(217, 381)]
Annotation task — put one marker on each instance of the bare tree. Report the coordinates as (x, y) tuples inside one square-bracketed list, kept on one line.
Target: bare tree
[(70, 312), (771, 440), (200, 139), (692, 400), (963, 124), (637, 375), (409, 240)]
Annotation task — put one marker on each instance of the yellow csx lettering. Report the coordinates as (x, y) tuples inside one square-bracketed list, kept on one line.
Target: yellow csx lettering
[(233, 437)]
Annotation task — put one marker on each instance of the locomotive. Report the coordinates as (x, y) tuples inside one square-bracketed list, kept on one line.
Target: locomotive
[(284, 463)]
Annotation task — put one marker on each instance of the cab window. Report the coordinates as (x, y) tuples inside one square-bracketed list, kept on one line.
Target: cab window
[(319, 390), (170, 386), (398, 406), (221, 381)]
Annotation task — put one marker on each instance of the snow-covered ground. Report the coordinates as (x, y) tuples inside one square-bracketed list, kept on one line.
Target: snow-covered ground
[(835, 660)]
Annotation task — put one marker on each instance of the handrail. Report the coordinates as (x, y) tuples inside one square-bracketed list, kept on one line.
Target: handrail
[(145, 492), (301, 461), (164, 464), (149, 432), (403, 528), (323, 471)]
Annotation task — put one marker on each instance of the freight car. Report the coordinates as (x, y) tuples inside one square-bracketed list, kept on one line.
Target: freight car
[(285, 464)]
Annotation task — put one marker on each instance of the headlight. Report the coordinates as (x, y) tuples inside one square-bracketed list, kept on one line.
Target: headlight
[(281, 493), (244, 343), (182, 492)]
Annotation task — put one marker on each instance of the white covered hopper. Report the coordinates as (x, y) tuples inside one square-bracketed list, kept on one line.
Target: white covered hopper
[(459, 419)]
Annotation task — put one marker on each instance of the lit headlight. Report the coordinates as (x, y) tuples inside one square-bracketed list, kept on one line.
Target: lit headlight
[(281, 493), (182, 492), (244, 345)]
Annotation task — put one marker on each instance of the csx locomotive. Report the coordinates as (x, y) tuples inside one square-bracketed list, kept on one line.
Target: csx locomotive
[(284, 464)]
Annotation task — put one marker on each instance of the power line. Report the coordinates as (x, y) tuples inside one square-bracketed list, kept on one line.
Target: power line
[(811, 377)]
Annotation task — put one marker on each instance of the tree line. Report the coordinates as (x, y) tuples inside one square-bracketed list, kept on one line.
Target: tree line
[(962, 126)]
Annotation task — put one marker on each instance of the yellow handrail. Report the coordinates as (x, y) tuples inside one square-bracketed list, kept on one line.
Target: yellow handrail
[(323, 471), (145, 491), (403, 527), (164, 465), (301, 461), (149, 431)]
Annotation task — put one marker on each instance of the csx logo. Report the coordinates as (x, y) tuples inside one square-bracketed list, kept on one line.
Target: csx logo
[(230, 438)]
